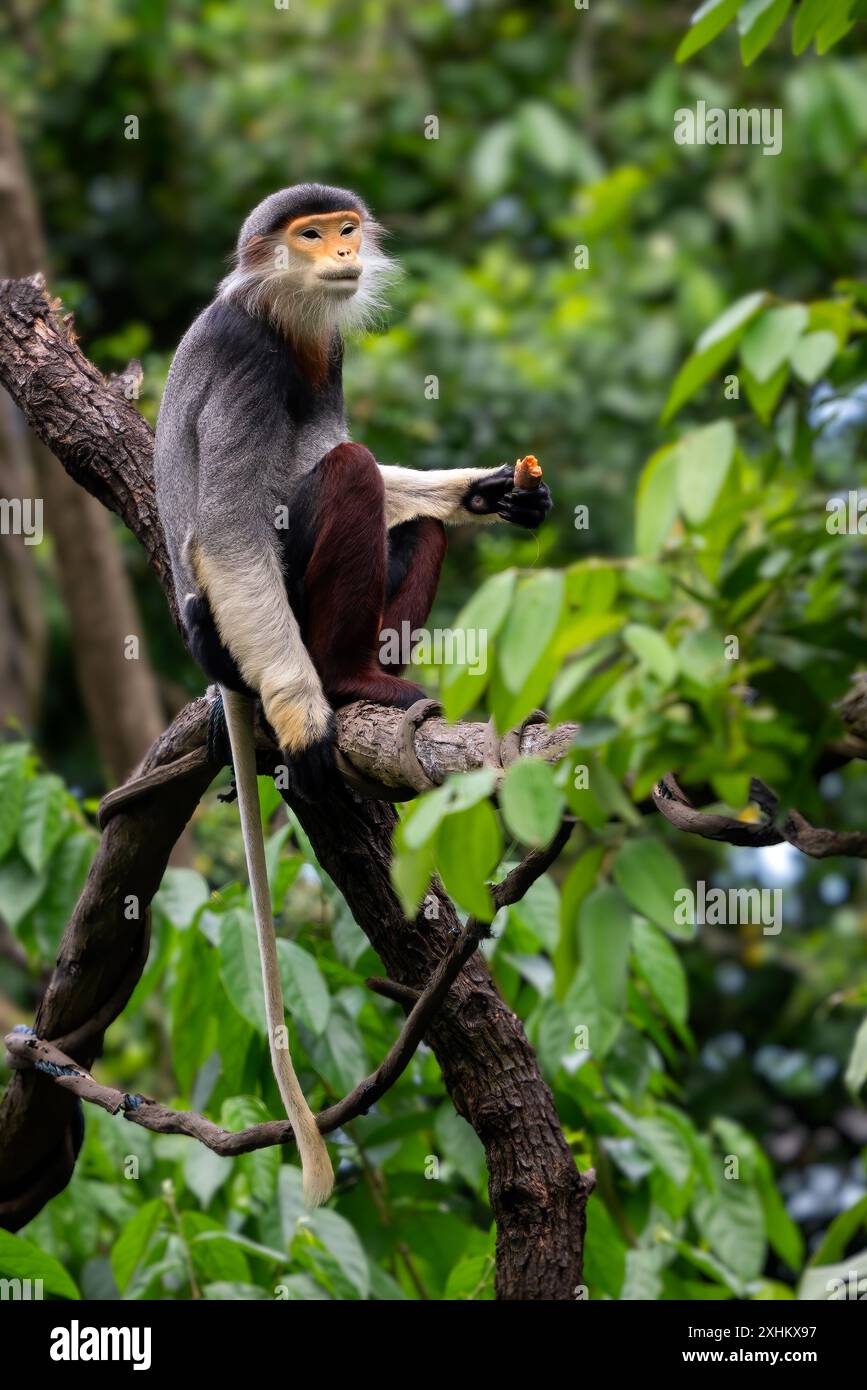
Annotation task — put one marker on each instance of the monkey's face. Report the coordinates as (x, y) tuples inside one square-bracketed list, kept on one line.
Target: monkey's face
[(325, 252), (313, 274)]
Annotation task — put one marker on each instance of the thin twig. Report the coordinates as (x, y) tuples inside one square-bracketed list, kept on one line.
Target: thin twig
[(671, 800)]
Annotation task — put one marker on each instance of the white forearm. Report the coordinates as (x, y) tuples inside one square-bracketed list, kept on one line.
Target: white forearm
[(411, 493)]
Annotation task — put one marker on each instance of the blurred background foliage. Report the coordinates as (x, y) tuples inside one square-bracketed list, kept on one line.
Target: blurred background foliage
[(701, 389)]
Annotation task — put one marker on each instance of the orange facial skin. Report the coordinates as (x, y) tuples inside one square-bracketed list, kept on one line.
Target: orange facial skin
[(331, 241)]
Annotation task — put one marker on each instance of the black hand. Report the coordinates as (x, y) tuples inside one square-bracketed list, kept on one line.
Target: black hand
[(484, 496), (526, 507)]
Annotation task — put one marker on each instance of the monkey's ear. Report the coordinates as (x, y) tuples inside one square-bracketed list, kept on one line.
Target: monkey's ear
[(255, 251)]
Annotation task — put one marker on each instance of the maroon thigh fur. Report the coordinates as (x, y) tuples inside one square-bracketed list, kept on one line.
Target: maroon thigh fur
[(417, 551), (345, 581)]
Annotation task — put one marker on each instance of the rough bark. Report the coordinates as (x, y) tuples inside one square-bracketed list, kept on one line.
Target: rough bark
[(488, 1066)]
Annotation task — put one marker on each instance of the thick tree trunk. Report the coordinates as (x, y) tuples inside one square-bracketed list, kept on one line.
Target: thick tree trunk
[(537, 1194)]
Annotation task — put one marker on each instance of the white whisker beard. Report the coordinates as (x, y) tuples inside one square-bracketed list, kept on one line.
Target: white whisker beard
[(306, 314)]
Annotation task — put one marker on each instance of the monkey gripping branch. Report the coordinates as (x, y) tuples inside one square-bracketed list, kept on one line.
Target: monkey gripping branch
[(538, 1197)]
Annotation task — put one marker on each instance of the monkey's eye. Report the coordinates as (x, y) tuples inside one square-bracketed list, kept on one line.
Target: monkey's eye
[(311, 234), (347, 230)]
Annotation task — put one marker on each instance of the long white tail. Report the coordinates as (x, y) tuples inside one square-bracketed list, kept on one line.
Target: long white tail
[(317, 1174)]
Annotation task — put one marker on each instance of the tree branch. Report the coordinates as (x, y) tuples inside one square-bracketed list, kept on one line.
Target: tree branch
[(673, 803)]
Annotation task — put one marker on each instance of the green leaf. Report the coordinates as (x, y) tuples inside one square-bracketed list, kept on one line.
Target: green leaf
[(240, 967), (468, 850), (339, 1056), (732, 321), (130, 1247), (205, 1172), (579, 881), (807, 21), (784, 1236), (659, 966), (531, 802), (708, 21), (605, 929), (13, 785), (531, 624), (290, 1201), (411, 872), (67, 872), (41, 824), (341, 1241), (647, 581), (714, 347), (555, 1038), (652, 651), (840, 1234), (587, 1010), (216, 1253), (539, 912), (758, 22), (462, 686), (856, 1069), (764, 396), (460, 1144), (592, 586), (704, 459), (261, 1167), (196, 994), (642, 1282), (605, 1259), (702, 658), (769, 340), (813, 354), (20, 890), (459, 792), (547, 136), (470, 1279), (231, 1291), (835, 26), (732, 1222), (656, 501), (181, 894), (666, 1145), (649, 876), (21, 1260), (304, 988), (491, 160), (696, 371)]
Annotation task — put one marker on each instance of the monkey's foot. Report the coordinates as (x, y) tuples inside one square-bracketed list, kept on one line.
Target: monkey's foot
[(312, 774), (378, 686)]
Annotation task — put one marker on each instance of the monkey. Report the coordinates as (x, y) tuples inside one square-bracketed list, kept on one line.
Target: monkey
[(291, 547)]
